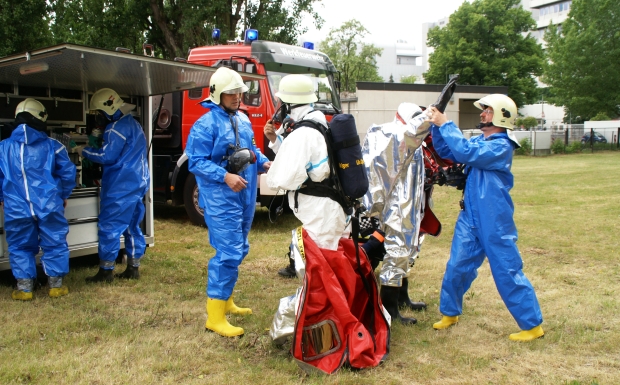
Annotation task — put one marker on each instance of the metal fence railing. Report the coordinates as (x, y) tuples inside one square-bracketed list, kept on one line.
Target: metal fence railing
[(589, 139)]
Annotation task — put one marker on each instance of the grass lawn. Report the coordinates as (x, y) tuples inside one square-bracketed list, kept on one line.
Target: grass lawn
[(151, 331)]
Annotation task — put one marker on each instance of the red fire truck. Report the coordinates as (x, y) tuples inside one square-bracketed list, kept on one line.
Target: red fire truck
[(177, 112)]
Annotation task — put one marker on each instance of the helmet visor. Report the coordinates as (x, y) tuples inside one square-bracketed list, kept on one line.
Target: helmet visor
[(237, 90)]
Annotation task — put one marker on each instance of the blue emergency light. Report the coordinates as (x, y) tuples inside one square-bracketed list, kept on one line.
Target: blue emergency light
[(250, 36), (308, 45), (215, 35)]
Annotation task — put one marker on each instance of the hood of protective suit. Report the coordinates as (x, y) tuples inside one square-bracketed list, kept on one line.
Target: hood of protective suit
[(31, 121), (27, 135), (406, 112)]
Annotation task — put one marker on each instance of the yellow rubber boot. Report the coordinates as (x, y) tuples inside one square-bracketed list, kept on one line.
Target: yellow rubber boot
[(56, 292), (20, 295), (231, 308), (528, 335), (216, 319), (445, 322)]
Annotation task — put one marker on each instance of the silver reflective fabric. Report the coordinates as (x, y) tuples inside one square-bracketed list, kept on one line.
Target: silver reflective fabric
[(135, 262), (395, 166), (106, 264), (283, 324), (54, 282), (284, 320), (25, 285)]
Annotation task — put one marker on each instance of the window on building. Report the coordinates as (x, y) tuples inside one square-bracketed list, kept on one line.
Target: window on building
[(406, 60)]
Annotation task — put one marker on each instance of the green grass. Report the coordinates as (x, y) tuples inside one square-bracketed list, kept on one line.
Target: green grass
[(152, 330)]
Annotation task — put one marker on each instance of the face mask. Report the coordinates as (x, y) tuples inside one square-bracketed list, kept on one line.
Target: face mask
[(239, 160), (101, 119)]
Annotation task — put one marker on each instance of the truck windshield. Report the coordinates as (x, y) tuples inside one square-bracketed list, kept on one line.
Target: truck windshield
[(323, 81)]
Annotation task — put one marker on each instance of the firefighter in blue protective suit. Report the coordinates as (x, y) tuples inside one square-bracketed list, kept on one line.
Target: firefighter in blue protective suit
[(124, 183), (224, 158), (485, 226), (36, 178)]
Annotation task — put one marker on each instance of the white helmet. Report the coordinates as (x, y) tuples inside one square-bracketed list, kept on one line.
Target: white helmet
[(225, 81), (296, 89), (108, 101), (406, 112), (33, 107), (504, 109)]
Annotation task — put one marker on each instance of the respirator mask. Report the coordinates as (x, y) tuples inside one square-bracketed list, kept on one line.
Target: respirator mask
[(101, 119), (239, 158), (282, 116)]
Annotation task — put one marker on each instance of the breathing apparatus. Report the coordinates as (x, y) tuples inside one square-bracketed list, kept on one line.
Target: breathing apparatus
[(283, 116), (239, 158)]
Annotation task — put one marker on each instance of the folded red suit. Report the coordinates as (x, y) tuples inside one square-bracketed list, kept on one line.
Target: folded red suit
[(340, 319)]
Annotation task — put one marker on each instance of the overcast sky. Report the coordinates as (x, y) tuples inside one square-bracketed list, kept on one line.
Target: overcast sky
[(387, 20)]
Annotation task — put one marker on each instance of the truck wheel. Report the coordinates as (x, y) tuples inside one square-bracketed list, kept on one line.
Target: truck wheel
[(190, 197)]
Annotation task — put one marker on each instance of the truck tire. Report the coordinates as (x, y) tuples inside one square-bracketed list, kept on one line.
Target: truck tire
[(190, 199)]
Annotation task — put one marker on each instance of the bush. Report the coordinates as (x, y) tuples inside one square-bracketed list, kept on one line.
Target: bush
[(526, 147), (573, 148), (527, 122), (557, 147)]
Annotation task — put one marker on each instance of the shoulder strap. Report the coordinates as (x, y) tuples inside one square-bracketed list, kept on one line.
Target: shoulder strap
[(333, 175)]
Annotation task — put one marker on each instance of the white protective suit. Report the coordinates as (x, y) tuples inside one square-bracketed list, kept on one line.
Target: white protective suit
[(301, 156)]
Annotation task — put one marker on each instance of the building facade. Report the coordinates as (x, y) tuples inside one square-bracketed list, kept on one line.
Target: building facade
[(398, 60)]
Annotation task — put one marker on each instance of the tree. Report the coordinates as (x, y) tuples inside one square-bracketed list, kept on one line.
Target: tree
[(527, 122), (100, 23), (355, 60), (23, 26), (391, 79), (174, 26), (583, 59), (600, 116), (409, 79), (484, 43)]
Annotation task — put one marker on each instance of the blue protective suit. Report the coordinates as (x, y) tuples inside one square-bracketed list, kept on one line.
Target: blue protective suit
[(228, 214), (485, 228), (36, 176), (124, 183)]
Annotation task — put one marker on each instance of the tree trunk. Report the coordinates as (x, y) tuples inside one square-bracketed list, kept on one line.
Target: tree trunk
[(161, 20)]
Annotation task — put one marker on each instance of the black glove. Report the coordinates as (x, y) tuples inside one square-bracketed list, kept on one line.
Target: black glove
[(375, 247)]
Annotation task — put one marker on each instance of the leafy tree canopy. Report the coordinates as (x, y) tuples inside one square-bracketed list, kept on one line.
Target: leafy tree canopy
[(174, 26), (355, 60), (600, 116), (409, 79), (23, 26), (527, 122), (583, 69), (484, 42)]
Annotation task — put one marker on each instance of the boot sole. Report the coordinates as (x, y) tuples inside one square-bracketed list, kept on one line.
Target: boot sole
[(407, 307), (99, 280), (123, 277), (444, 328), (213, 331)]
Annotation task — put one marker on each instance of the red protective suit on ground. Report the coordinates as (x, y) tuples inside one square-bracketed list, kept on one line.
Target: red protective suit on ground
[(340, 318)]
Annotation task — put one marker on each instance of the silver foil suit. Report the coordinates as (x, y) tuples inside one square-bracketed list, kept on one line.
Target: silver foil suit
[(283, 324), (395, 165)]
